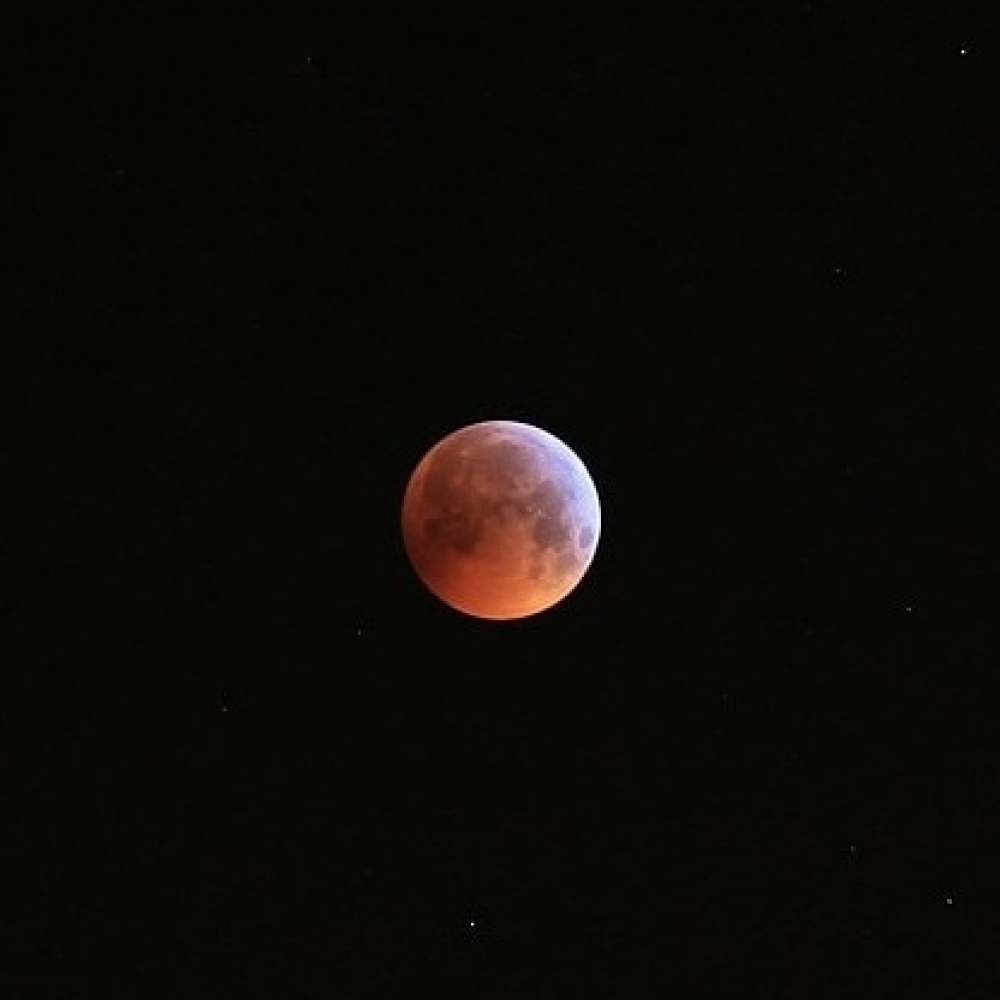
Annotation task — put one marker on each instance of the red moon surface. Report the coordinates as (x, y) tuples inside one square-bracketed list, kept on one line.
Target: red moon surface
[(500, 520)]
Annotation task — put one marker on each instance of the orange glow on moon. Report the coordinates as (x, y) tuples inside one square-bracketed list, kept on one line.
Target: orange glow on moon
[(500, 520)]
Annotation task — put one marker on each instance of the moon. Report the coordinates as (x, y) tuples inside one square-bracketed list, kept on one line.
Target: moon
[(501, 520)]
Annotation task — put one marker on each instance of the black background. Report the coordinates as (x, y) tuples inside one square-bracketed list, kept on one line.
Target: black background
[(742, 262)]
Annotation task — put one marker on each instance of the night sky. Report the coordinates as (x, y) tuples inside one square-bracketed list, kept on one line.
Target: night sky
[(745, 266)]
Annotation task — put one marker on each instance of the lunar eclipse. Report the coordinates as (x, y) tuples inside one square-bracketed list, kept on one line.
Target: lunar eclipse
[(500, 520)]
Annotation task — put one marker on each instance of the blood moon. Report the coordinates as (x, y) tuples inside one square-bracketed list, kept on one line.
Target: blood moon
[(500, 520)]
